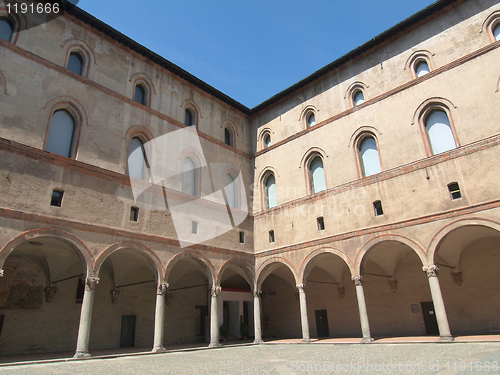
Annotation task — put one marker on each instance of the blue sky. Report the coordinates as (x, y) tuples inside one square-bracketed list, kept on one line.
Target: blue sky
[(251, 50)]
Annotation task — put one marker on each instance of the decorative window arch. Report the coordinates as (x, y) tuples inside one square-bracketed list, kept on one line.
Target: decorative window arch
[(265, 139), (79, 58), (356, 93), (190, 176), (419, 64), (64, 122), (491, 26), (316, 173), (11, 24), (436, 125), (368, 156), (269, 190), (61, 136), (138, 163)]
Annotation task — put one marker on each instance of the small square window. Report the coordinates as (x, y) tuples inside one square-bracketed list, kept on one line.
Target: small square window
[(271, 236), (194, 227), (242, 237), (134, 213), (454, 190), (57, 197), (321, 223), (377, 206)]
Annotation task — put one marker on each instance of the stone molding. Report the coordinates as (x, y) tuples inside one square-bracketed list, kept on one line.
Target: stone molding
[(431, 271)]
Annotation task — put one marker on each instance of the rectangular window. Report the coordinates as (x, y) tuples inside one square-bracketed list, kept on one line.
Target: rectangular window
[(242, 237), (271, 236), (134, 213), (194, 227), (454, 190), (321, 223), (377, 206), (56, 200)]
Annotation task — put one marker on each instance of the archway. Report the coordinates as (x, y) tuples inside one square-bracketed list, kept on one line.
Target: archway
[(280, 300), (397, 292), (468, 257), (190, 277), (40, 292), (236, 311), (124, 303), (331, 294)]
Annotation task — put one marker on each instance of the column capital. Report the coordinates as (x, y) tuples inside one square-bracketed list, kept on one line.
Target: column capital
[(300, 287), (215, 291), (91, 281), (358, 280), (431, 271), (256, 293), (1, 272), (162, 288)]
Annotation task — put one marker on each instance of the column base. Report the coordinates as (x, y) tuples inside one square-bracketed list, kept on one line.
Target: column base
[(214, 345), (258, 342), (446, 338), (366, 340), (79, 355), (158, 349), (306, 341)]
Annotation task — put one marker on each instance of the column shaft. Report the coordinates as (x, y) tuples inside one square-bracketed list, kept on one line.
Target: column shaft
[(160, 318), (256, 318), (363, 313), (214, 319), (437, 300), (303, 314), (82, 346)]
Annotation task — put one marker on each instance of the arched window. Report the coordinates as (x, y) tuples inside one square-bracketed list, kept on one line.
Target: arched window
[(358, 97), (317, 175), (270, 200), (189, 117), (61, 133), (6, 29), (496, 32), (266, 140), (310, 119), (137, 161), (75, 63), (189, 185), (140, 94), (228, 136), (439, 132), (370, 160), (231, 191), (421, 68)]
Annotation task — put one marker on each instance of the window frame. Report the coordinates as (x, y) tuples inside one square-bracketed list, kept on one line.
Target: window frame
[(454, 191), (424, 115), (12, 27), (196, 174), (77, 121), (139, 84), (264, 189), (143, 141), (416, 58), (357, 90), (310, 180)]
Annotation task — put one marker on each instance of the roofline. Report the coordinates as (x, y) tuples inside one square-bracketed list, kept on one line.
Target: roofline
[(161, 61)]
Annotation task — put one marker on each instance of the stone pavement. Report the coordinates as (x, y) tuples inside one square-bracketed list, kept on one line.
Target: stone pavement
[(324, 358)]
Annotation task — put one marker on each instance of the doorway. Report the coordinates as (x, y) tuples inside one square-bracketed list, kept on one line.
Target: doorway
[(322, 323), (127, 337), (430, 321)]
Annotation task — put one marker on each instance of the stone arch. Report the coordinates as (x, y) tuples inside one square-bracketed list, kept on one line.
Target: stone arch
[(304, 267), (439, 236), (247, 268), (211, 274), (371, 243), (80, 248), (151, 257), (267, 264)]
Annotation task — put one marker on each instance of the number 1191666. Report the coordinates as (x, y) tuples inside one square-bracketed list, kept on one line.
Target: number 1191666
[(20, 7)]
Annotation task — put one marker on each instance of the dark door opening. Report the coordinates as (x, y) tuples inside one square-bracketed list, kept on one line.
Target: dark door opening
[(430, 321), (203, 321), (322, 323), (127, 337)]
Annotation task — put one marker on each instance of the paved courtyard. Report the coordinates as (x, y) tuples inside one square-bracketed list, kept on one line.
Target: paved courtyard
[(416, 358)]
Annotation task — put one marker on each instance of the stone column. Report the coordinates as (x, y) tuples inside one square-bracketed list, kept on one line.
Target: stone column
[(160, 317), (214, 318), (303, 314), (256, 317), (437, 300), (82, 346), (363, 314)]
